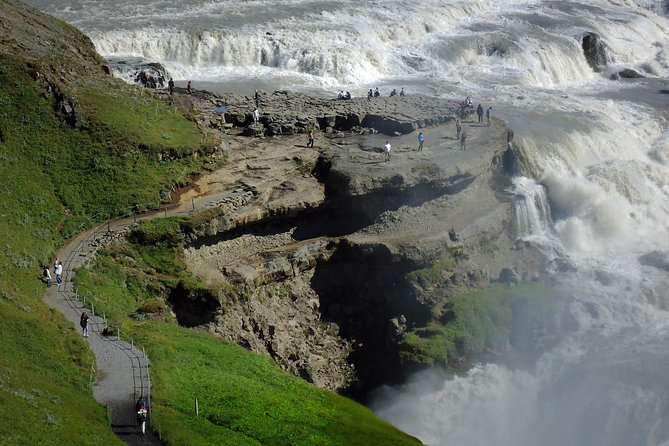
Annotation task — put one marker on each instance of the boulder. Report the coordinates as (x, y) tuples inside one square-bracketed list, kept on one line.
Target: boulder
[(273, 128), (139, 70), (327, 121), (656, 259), (628, 73), (594, 50), (255, 129), (390, 125), (509, 276)]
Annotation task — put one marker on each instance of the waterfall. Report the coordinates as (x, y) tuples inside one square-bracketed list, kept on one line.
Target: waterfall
[(531, 212)]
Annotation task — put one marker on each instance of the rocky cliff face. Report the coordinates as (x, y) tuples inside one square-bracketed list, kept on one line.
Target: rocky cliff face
[(327, 279)]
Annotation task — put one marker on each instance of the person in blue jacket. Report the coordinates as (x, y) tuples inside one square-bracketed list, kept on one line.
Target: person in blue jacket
[(421, 140)]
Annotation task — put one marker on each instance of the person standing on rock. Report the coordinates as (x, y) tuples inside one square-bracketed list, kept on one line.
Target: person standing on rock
[(189, 88), (257, 99), (458, 127), (386, 151), (170, 86), (479, 112), (256, 116), (488, 115), (421, 140), (83, 321), (463, 141), (310, 141)]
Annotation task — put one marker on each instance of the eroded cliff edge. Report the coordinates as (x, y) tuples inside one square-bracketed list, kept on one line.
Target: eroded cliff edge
[(317, 253)]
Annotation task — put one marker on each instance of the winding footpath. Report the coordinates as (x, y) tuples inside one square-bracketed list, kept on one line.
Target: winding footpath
[(122, 370)]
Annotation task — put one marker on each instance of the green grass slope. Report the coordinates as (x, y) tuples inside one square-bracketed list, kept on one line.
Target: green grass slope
[(56, 180)]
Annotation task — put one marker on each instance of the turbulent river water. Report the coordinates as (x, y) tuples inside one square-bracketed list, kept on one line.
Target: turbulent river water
[(596, 189)]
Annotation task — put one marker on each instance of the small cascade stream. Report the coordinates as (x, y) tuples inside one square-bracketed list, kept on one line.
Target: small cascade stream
[(531, 212)]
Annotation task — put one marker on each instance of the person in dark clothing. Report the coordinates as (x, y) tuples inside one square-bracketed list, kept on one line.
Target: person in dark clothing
[(479, 112), (310, 140), (83, 321), (189, 88), (170, 85)]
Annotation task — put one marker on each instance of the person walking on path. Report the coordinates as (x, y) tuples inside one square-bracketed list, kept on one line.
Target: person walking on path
[(310, 141), (58, 269), (386, 151), (458, 128), (83, 321), (421, 140), (189, 88), (463, 140), (47, 276), (488, 115), (170, 86), (479, 112)]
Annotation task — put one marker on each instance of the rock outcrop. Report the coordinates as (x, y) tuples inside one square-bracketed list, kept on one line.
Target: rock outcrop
[(332, 234), (594, 51), (627, 73), (289, 113)]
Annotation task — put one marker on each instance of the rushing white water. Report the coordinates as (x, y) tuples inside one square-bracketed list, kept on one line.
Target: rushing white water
[(596, 192)]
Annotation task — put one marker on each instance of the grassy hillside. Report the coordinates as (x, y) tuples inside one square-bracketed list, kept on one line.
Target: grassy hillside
[(56, 180), (244, 399), (59, 178)]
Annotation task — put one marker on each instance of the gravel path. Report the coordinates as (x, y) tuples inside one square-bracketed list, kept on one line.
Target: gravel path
[(122, 371)]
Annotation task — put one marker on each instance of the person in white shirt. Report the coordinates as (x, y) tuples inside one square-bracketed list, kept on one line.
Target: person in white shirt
[(59, 272), (386, 151)]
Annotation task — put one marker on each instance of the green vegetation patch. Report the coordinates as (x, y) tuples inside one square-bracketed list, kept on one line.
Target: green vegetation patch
[(55, 182), (475, 326), (433, 274)]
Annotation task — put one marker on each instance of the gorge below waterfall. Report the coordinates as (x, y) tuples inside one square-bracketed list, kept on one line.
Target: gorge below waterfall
[(592, 190)]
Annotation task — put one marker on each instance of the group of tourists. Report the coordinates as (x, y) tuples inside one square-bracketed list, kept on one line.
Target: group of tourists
[(345, 96), (461, 135), (57, 270), (488, 114), (376, 93)]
